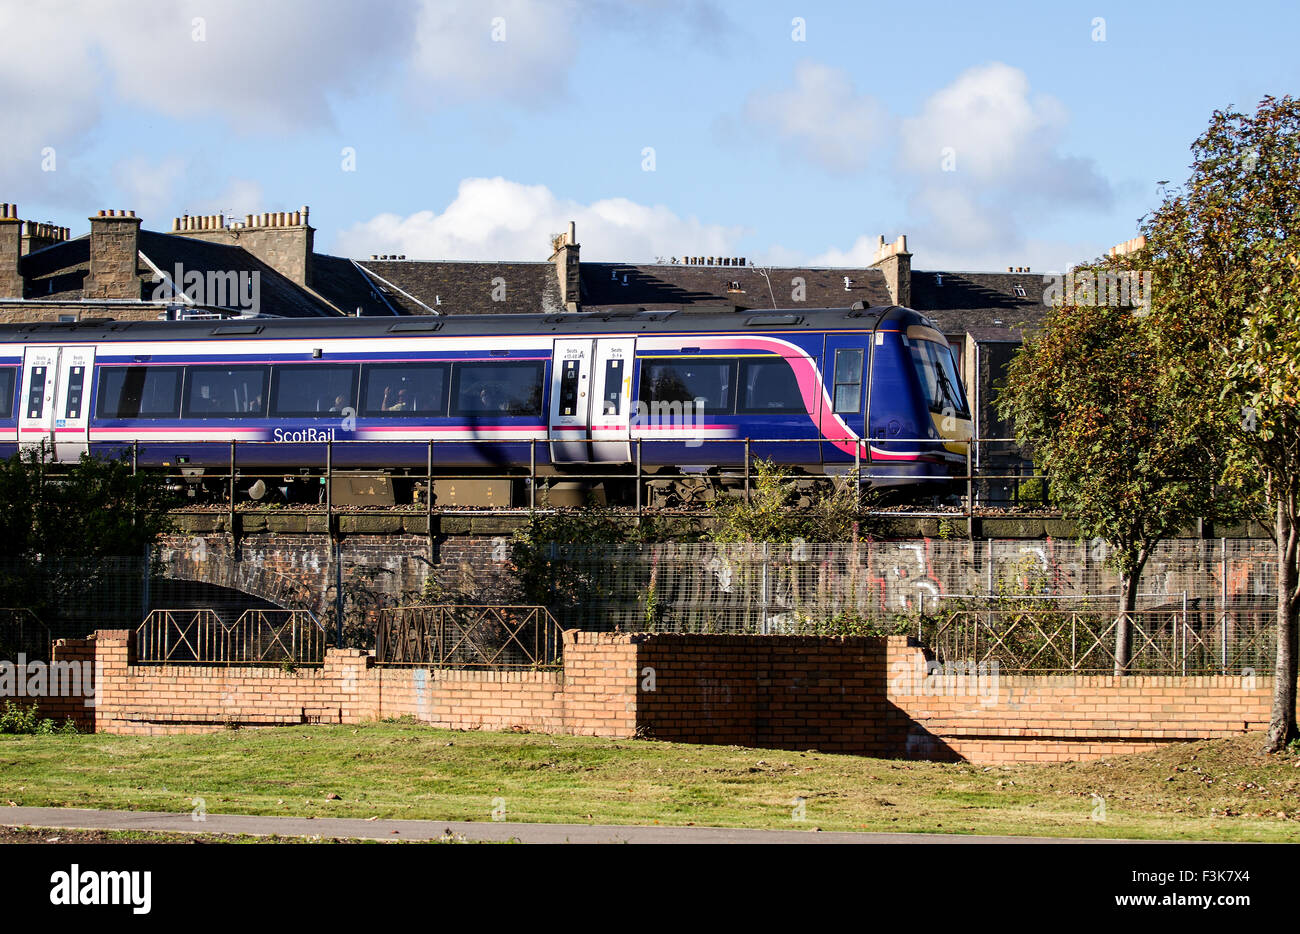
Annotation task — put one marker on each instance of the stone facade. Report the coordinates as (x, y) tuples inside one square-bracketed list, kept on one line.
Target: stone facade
[(114, 257), (283, 240), (11, 279)]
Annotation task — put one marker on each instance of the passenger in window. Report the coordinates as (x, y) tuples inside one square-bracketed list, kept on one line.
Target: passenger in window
[(488, 401), (402, 402), (341, 403)]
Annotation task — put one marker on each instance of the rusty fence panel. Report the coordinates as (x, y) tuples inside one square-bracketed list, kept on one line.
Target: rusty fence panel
[(257, 637), (1045, 640), (494, 637)]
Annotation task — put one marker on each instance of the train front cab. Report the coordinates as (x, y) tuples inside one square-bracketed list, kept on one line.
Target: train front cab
[(919, 422)]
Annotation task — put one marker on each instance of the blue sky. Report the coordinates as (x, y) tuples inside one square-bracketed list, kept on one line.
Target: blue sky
[(991, 134)]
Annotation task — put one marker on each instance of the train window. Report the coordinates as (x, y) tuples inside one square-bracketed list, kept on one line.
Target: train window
[(939, 380), (311, 390), (76, 386), (681, 382), (404, 389), (225, 391), (513, 388), (8, 377), (848, 380), (36, 392), (139, 391), (612, 403), (569, 387), (769, 386)]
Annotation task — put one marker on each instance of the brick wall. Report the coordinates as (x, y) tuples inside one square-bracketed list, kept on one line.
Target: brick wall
[(862, 696), (882, 697)]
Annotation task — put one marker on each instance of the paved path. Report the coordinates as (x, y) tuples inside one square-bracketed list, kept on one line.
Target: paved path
[(361, 829)]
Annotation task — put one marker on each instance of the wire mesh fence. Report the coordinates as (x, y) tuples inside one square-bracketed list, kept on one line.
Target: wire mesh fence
[(1223, 587), (23, 636)]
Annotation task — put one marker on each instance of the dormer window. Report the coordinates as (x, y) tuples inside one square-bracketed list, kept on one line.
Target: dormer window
[(1020, 290)]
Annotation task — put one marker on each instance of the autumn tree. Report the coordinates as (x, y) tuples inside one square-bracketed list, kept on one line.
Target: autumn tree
[(1225, 253), (1084, 395)]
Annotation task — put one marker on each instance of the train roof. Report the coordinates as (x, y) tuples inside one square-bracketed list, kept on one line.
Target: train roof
[(777, 319)]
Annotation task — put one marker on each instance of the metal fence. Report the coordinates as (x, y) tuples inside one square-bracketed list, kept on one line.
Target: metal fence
[(257, 637), (23, 636), (1047, 640), (994, 473), (886, 586), (487, 637)]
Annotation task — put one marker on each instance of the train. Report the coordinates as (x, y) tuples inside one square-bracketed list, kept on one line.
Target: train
[(537, 398)]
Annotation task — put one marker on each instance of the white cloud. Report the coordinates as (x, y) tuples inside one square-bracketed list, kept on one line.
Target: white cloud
[(824, 117), (457, 56), (261, 66), (148, 187), (495, 218), (998, 134), (1002, 146), (861, 254), (241, 196)]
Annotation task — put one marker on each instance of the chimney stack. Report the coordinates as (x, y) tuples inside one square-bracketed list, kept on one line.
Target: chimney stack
[(895, 262), (114, 256), (39, 236), (284, 240), (568, 269), (11, 277)]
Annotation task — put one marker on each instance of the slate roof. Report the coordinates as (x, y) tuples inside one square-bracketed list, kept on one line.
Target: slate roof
[(967, 301), (459, 287), (58, 272), (610, 285), (338, 280)]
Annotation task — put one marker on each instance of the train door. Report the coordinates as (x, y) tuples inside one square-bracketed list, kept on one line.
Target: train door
[(611, 401), (36, 400), (72, 402), (570, 424), (847, 370)]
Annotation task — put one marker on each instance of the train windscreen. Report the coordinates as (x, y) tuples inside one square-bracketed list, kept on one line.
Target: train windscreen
[(939, 380)]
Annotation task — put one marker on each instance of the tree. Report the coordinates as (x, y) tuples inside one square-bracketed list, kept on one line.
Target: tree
[(58, 524), (1225, 253), (1083, 394)]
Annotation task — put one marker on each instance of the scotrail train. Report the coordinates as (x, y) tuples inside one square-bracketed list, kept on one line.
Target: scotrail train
[(816, 390)]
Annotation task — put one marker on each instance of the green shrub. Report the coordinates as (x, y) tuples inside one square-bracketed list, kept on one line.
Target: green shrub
[(16, 719)]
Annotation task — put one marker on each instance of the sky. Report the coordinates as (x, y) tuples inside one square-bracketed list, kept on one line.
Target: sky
[(991, 134)]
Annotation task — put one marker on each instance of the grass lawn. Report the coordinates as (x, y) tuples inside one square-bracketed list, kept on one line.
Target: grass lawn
[(1219, 790)]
